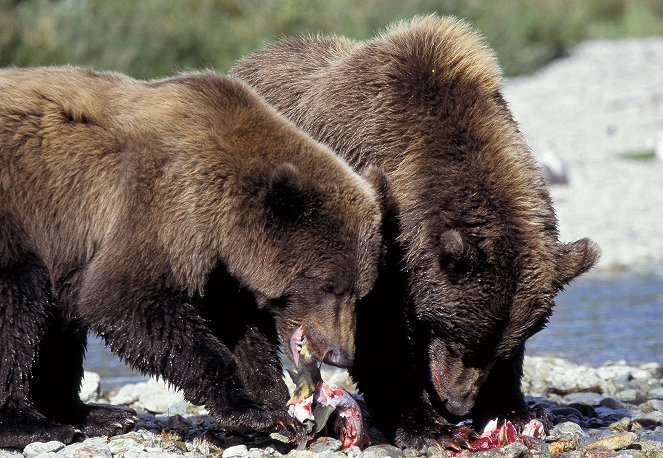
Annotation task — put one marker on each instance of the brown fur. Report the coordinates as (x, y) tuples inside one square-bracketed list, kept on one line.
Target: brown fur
[(185, 222), (474, 259)]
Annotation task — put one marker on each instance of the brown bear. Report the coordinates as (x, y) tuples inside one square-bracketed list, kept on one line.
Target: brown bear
[(185, 222), (474, 260)]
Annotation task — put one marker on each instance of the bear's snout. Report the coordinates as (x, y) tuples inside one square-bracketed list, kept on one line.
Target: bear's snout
[(338, 357)]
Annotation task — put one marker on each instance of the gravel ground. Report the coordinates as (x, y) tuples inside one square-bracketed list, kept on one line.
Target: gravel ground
[(587, 111), (583, 115)]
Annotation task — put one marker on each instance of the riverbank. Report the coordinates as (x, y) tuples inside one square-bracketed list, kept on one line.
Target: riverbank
[(611, 410)]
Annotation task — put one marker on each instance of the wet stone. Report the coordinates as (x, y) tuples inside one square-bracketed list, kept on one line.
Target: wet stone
[(325, 444), (121, 445), (567, 430), (651, 405), (615, 442), (567, 414), (628, 395), (236, 450), (37, 448), (654, 418), (89, 448), (612, 403), (377, 451), (589, 398)]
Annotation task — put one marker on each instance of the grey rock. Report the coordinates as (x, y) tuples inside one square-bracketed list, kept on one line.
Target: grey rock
[(325, 444), (436, 452), (649, 419), (628, 395), (10, 453), (89, 386), (90, 448), (618, 373), (612, 403), (194, 455), (589, 398), (615, 442), (651, 405), (377, 451), (47, 455), (353, 451), (516, 450), (119, 445), (301, 454), (236, 450), (37, 448), (567, 430), (656, 393), (652, 444)]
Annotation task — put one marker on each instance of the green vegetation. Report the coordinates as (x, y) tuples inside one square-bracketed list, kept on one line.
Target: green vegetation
[(641, 155), (149, 38)]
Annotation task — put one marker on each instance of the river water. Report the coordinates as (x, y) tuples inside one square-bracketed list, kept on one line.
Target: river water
[(596, 319)]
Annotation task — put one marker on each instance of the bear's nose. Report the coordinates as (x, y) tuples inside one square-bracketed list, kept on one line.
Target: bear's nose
[(338, 357)]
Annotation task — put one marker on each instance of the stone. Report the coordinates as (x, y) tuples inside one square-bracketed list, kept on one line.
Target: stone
[(628, 395), (119, 445), (236, 450), (567, 430), (612, 403), (651, 406), (615, 442), (589, 398), (618, 373), (656, 393), (325, 444), (378, 451), (623, 425), (516, 450), (566, 414), (37, 448), (95, 447), (654, 418), (652, 443), (90, 386)]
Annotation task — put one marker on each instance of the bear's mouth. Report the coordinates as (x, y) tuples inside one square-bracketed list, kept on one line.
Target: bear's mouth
[(296, 343)]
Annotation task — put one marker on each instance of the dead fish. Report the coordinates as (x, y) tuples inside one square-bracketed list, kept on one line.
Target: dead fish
[(313, 400), (495, 437)]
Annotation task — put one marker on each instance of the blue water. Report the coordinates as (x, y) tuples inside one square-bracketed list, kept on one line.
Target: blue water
[(596, 319), (611, 317)]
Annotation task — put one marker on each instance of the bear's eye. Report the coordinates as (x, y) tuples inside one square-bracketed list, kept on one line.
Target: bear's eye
[(329, 288)]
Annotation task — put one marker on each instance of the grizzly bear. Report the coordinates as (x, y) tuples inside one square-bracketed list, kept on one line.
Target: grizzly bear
[(185, 222), (473, 258)]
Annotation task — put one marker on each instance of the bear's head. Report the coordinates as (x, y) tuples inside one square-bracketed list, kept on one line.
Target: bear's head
[(325, 249), (483, 280)]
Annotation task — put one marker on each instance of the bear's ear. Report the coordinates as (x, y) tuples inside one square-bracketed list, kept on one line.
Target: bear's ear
[(380, 183), (289, 197), (576, 258), (452, 245)]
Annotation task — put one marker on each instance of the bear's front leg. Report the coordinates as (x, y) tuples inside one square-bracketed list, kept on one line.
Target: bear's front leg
[(501, 396), (159, 332)]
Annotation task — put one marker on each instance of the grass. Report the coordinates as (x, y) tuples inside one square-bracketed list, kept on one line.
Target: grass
[(152, 38)]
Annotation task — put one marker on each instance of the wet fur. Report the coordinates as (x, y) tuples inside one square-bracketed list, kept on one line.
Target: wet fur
[(186, 223), (474, 259)]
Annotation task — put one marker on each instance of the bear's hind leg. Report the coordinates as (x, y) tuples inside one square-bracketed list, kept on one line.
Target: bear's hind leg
[(57, 376), (25, 309)]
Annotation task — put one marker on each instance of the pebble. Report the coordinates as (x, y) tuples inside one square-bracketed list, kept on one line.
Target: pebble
[(378, 451), (237, 450), (90, 448), (615, 442), (37, 448)]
